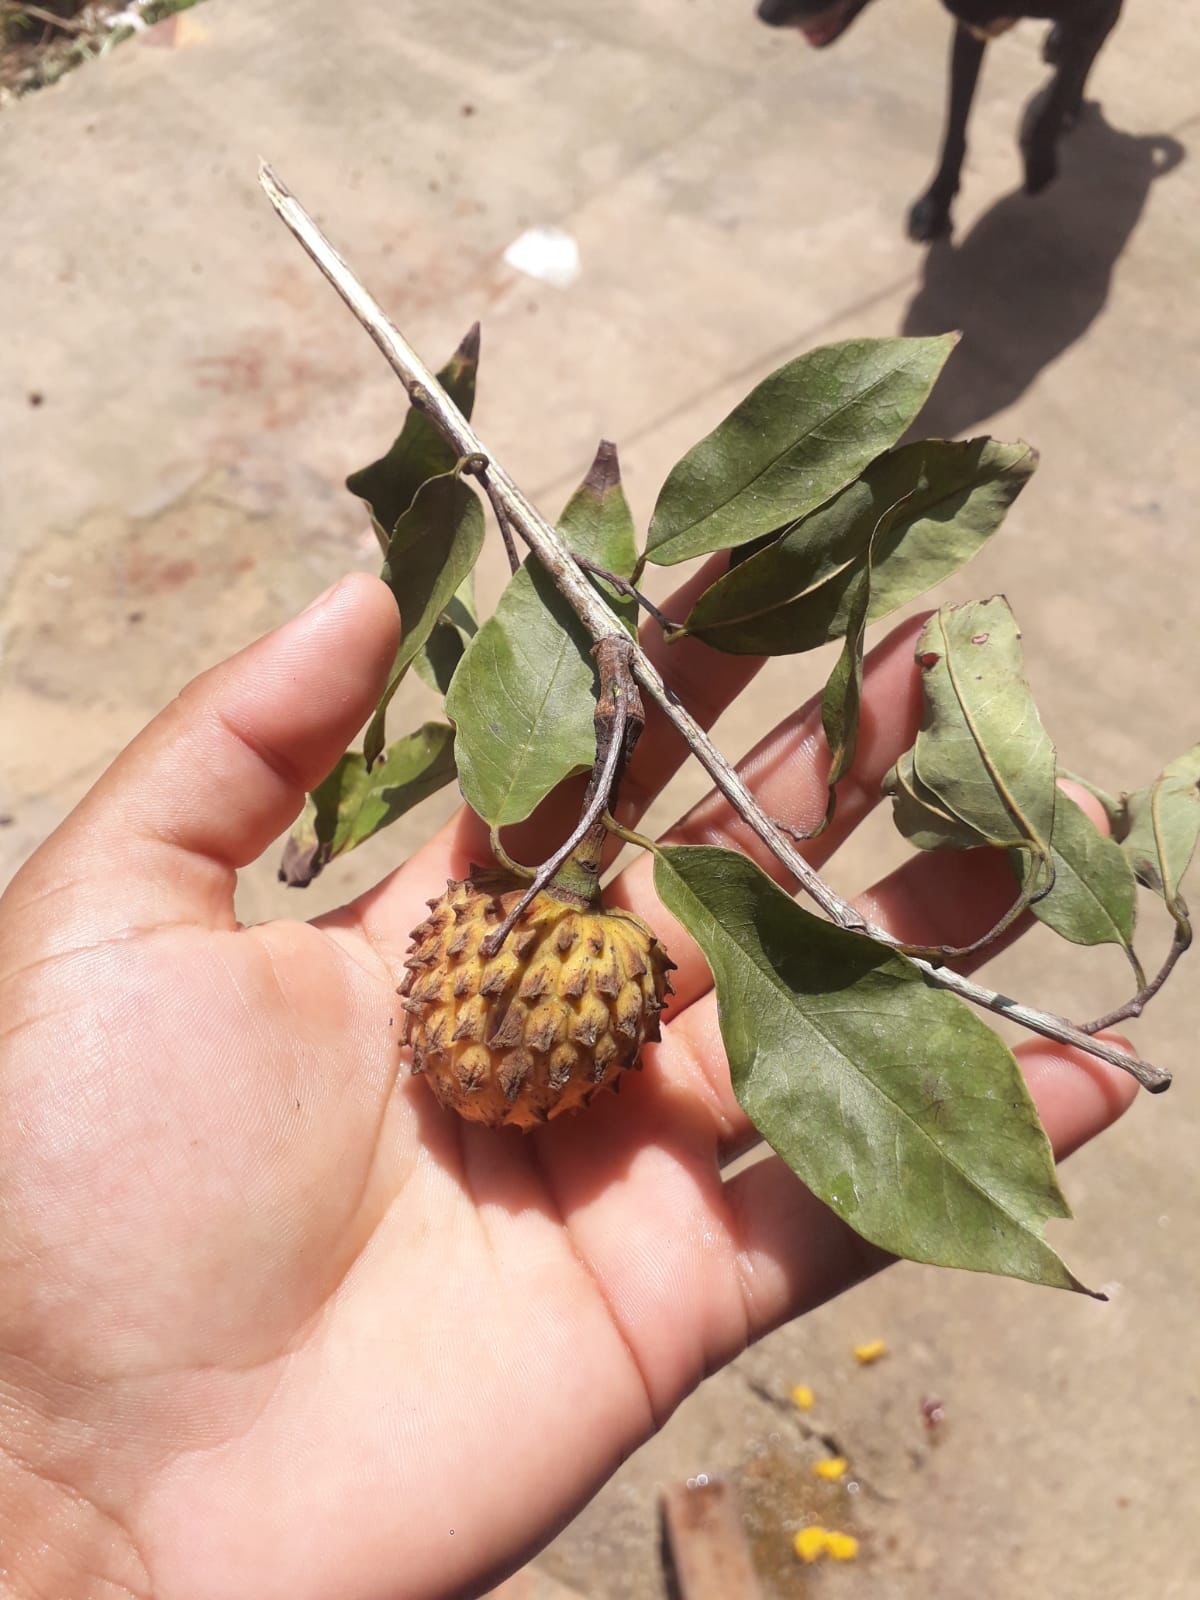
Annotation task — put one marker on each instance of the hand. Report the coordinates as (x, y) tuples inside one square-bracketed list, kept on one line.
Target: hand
[(272, 1323)]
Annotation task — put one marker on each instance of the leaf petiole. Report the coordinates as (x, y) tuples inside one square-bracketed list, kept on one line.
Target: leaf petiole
[(1134, 1007)]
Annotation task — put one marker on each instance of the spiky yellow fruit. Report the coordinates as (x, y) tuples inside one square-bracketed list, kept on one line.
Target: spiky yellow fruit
[(559, 1011)]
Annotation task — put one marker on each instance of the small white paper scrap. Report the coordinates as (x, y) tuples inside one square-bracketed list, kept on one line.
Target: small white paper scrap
[(547, 253)]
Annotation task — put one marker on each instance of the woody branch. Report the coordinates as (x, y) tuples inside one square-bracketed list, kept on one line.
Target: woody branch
[(427, 394)]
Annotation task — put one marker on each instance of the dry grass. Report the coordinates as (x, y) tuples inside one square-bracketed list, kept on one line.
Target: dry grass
[(40, 40)]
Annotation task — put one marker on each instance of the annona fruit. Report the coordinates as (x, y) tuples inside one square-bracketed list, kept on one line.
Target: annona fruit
[(562, 1008)]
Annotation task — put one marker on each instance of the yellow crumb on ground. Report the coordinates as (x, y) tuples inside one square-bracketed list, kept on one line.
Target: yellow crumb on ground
[(811, 1544), (864, 1354), (831, 1467), (841, 1546), (803, 1397)]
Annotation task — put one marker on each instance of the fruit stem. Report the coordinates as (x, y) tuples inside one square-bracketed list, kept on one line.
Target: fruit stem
[(577, 881), (619, 720), (572, 873)]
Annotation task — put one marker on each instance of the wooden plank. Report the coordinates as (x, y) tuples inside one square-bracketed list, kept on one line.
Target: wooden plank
[(530, 1584), (707, 1543)]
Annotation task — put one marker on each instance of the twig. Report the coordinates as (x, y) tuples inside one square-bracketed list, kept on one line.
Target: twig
[(506, 533), (502, 522), (550, 866), (1135, 1007), (1139, 975), (619, 720), (806, 835), (955, 952), (629, 590), (602, 624), (937, 953), (67, 24)]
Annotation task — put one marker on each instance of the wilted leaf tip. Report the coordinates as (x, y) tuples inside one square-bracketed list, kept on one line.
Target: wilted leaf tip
[(468, 349), (604, 474), (301, 863)]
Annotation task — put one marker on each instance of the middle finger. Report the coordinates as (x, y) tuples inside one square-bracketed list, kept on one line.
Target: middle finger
[(786, 772)]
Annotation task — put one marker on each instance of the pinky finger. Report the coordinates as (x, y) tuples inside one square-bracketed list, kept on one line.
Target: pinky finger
[(794, 1253)]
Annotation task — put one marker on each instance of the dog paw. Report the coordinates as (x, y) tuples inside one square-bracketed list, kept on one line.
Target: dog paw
[(929, 219), (1041, 168), (1052, 49)]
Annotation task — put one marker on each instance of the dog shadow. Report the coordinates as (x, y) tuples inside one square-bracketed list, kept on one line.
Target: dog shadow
[(1031, 276)]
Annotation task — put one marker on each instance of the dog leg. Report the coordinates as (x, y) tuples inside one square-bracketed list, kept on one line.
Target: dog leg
[(1059, 107), (929, 218)]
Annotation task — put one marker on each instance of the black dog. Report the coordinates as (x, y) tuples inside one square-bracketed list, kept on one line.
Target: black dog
[(1079, 29)]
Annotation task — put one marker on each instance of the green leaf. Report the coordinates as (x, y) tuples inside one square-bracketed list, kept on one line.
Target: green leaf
[(796, 439), (389, 485), (892, 1101), (1094, 897), (755, 547), (598, 524), (1116, 809), (438, 657), (920, 816), (795, 594), (521, 701), (842, 699), (434, 546), (1164, 827), (524, 695), (982, 750), (355, 801)]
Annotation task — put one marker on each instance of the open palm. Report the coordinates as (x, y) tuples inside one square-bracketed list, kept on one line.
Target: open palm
[(272, 1322)]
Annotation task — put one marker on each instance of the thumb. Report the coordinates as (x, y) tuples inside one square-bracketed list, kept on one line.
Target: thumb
[(218, 774)]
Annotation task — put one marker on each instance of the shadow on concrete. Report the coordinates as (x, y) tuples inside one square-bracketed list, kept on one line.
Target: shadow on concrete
[(1033, 273)]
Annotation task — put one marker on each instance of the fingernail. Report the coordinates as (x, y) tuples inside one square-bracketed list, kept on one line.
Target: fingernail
[(326, 594)]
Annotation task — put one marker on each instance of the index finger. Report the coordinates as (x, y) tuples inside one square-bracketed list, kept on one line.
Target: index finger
[(705, 681)]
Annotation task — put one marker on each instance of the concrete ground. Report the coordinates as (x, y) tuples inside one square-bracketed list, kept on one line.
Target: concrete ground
[(182, 396)]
